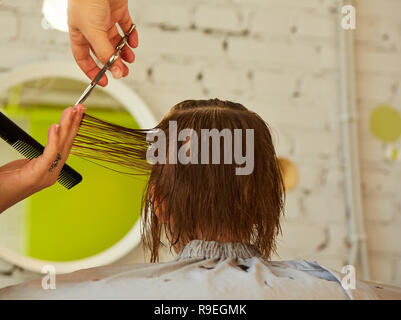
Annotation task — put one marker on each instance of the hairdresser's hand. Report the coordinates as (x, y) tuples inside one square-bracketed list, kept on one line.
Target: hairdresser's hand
[(21, 178), (92, 26)]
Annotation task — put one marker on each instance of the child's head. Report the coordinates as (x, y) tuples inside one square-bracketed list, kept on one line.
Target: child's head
[(231, 190), (212, 201)]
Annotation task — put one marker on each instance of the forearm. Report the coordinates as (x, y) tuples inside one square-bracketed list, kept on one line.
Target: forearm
[(12, 188), (21, 178), (13, 165)]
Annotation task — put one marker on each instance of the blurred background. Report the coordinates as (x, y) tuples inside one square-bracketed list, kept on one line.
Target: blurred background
[(288, 60)]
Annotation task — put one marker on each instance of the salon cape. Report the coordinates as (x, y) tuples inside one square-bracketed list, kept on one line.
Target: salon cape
[(202, 270)]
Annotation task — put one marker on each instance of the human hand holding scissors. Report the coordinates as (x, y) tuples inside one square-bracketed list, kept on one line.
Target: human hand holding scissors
[(118, 50), (92, 27)]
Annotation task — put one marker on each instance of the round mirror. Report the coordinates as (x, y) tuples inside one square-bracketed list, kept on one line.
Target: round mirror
[(95, 222)]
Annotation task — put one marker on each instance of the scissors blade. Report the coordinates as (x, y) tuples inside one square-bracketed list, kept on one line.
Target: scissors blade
[(86, 93), (113, 58), (99, 75)]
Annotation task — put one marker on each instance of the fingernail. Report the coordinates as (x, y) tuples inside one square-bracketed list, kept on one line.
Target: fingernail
[(116, 72), (57, 128)]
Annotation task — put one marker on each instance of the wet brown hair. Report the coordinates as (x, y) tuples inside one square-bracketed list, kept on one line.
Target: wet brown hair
[(199, 201)]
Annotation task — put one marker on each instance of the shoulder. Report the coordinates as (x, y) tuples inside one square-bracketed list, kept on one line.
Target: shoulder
[(384, 291)]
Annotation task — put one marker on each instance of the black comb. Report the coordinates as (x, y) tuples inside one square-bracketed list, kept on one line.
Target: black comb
[(30, 148)]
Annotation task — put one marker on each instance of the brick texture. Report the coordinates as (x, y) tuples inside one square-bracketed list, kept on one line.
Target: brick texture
[(279, 58)]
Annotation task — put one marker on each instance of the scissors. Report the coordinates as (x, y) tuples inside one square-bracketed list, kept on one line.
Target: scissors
[(109, 63)]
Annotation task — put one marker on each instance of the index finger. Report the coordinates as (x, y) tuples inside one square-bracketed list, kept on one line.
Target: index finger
[(81, 52), (73, 130)]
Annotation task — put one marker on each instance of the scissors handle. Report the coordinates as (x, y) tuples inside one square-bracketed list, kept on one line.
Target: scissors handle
[(106, 67)]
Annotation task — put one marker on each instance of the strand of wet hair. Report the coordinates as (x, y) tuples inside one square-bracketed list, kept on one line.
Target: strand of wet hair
[(102, 141)]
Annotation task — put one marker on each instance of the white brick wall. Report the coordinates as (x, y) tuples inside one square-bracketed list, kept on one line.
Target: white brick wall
[(279, 58), (378, 62)]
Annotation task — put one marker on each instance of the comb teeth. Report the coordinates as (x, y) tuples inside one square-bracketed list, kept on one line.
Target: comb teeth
[(67, 178), (26, 149)]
